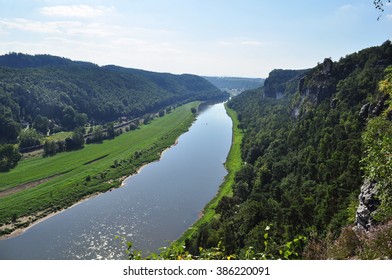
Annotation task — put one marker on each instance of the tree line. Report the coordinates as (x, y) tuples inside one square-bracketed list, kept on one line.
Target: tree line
[(42, 94)]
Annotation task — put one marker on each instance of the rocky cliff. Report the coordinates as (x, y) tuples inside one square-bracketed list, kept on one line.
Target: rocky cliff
[(282, 82), (368, 203)]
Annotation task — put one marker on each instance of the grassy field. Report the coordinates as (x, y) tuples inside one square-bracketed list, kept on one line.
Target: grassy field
[(60, 136), (72, 176), (233, 164)]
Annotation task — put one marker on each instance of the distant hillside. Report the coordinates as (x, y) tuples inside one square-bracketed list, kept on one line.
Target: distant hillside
[(235, 85), (20, 60), (68, 93)]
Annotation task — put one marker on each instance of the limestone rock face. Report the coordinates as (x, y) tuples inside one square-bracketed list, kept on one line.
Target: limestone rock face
[(368, 203)]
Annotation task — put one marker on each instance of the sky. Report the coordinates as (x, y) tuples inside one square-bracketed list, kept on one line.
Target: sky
[(238, 38)]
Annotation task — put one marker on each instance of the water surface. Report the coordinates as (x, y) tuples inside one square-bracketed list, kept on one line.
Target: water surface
[(155, 206)]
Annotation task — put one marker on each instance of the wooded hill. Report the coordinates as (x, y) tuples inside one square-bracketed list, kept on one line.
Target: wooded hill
[(306, 156), (67, 93), (235, 85)]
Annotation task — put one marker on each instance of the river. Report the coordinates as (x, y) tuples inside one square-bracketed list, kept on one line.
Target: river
[(155, 206)]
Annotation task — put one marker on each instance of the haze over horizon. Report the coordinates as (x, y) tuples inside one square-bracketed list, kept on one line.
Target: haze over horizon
[(246, 38)]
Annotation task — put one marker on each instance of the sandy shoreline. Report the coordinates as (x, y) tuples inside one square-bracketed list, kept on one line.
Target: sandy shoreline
[(39, 219)]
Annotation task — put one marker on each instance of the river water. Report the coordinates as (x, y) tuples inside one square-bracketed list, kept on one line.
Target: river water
[(155, 206)]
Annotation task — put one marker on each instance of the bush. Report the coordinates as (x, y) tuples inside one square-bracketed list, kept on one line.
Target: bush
[(50, 148), (346, 246), (378, 243), (9, 157), (29, 138)]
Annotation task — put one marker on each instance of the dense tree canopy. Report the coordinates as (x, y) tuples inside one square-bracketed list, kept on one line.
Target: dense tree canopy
[(9, 157), (302, 154), (50, 93)]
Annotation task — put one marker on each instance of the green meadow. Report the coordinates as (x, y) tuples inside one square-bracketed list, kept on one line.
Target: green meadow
[(71, 176)]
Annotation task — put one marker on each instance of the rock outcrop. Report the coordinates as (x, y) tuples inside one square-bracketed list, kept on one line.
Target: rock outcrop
[(327, 64), (368, 203), (320, 84), (373, 110), (380, 106), (282, 82), (364, 112)]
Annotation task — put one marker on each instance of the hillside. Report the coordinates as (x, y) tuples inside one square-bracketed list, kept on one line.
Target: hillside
[(235, 85), (306, 156), (69, 93)]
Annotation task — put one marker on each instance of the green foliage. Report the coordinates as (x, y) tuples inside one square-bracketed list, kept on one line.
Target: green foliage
[(351, 244), (9, 129), (377, 140), (235, 85), (111, 133), (9, 157), (64, 174), (97, 135), (288, 251), (76, 141), (56, 93), (50, 148), (29, 138), (41, 124), (280, 82), (378, 149), (9, 117), (302, 156)]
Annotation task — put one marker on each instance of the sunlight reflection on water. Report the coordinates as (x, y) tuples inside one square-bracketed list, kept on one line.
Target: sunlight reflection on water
[(155, 206)]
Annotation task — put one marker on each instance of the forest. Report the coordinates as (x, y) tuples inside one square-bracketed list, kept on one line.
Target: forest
[(305, 158), (235, 85), (310, 138), (42, 94)]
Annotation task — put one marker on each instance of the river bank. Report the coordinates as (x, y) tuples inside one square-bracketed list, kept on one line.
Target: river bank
[(34, 220), (156, 205), (25, 209)]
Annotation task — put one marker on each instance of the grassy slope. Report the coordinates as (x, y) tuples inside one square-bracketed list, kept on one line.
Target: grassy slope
[(66, 189), (233, 164)]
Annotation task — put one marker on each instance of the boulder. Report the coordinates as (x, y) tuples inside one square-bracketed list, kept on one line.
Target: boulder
[(364, 112), (377, 110)]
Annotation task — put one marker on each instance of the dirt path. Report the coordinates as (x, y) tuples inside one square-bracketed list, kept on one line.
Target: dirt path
[(27, 185)]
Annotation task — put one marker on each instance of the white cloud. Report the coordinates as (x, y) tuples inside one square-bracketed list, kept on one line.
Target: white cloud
[(226, 43), (252, 43), (71, 28), (32, 26), (345, 7), (241, 41), (81, 11)]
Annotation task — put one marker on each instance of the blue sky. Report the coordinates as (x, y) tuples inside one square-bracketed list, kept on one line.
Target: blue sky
[(245, 38)]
